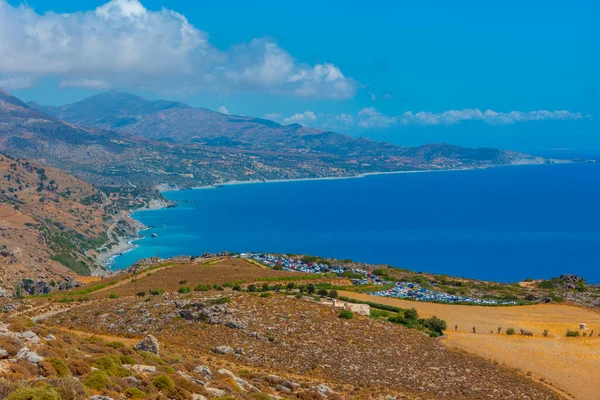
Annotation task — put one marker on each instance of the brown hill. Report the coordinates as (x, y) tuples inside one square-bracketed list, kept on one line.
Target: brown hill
[(280, 345), (49, 222)]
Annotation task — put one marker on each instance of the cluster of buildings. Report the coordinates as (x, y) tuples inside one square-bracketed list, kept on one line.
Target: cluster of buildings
[(402, 290)]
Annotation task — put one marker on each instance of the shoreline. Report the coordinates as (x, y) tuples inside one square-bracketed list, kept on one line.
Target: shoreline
[(164, 188), (127, 244)]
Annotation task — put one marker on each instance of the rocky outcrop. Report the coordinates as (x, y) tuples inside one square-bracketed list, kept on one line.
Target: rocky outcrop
[(149, 344)]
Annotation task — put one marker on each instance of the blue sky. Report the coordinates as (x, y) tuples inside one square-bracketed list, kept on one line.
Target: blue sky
[(405, 72)]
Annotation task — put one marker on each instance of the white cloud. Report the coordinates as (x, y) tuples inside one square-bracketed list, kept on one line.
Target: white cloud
[(223, 110), (124, 44), (85, 83), (345, 119), (304, 118), (489, 116), (273, 116), (371, 118), (11, 82)]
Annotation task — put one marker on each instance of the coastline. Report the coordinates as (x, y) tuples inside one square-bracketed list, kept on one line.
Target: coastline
[(128, 244)]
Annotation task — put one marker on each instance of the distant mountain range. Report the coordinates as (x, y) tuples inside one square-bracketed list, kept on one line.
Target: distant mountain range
[(121, 140)]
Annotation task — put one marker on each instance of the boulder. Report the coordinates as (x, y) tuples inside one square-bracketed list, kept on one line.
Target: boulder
[(216, 392), (3, 354), (140, 369), (149, 344), (25, 354), (222, 350), (204, 371)]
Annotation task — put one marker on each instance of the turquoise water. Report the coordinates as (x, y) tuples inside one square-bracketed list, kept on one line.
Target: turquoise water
[(502, 224)]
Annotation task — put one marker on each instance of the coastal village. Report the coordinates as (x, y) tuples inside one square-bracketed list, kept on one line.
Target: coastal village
[(400, 289)]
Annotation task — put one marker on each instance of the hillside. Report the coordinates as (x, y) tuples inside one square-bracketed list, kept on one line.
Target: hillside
[(50, 223), (215, 342), (126, 140)]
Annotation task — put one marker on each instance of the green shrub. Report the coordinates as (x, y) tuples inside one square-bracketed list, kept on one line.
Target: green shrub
[(156, 292), (571, 333), (322, 292), (346, 314), (265, 295), (411, 314), (510, 331), (237, 288), (252, 288), (134, 393), (113, 296), (201, 288), (141, 294), (182, 282), (127, 360), (34, 393), (115, 345), (398, 319), (222, 300), (97, 380), (112, 366), (185, 289), (60, 366), (163, 382), (291, 286), (435, 324), (333, 294)]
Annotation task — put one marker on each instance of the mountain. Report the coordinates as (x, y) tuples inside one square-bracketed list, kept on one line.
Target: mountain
[(117, 140), (50, 223)]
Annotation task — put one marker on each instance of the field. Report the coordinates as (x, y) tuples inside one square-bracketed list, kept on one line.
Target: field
[(172, 277), (571, 364)]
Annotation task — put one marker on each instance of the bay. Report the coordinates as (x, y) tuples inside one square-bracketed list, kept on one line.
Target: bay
[(504, 224)]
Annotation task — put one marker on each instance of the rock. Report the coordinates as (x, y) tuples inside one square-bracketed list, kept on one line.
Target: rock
[(204, 371), (239, 351), (25, 354), (98, 397), (50, 337), (3, 354), (216, 392), (29, 336), (191, 378), (323, 390), (235, 324), (242, 383), (222, 350), (140, 369), (196, 396), (149, 344), (9, 308)]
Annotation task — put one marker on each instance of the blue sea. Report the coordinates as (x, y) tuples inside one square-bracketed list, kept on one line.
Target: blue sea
[(504, 224)]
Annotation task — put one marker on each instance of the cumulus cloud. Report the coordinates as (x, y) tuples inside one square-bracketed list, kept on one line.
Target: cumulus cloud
[(121, 43), (306, 117), (488, 116), (274, 116), (371, 118), (223, 110)]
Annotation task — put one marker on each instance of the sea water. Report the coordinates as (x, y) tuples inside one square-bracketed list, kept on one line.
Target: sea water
[(504, 224)]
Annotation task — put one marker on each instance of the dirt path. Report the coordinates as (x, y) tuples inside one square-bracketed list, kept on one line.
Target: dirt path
[(570, 364)]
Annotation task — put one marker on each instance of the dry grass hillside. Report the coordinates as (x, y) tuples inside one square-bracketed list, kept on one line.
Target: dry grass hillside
[(273, 344), (571, 364), (48, 220)]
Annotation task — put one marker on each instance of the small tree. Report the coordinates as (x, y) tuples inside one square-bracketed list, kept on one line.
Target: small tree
[(510, 331), (346, 314), (435, 324), (265, 287), (310, 288), (411, 314), (322, 292), (291, 286), (237, 288), (333, 294), (277, 287), (252, 288)]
